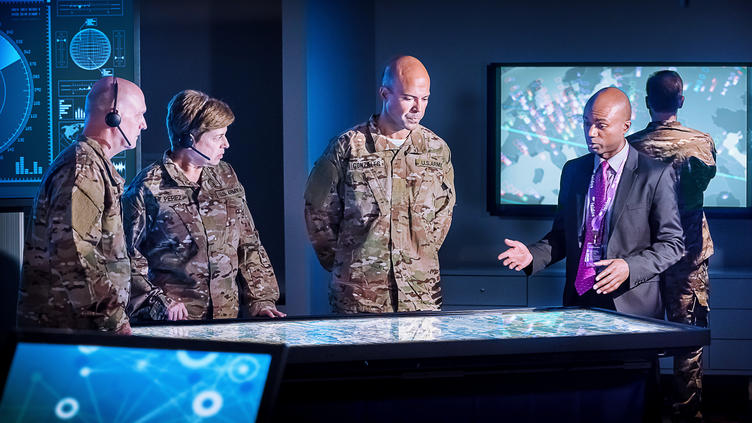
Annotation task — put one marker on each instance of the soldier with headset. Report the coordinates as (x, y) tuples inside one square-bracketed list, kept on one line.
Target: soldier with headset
[(188, 228), (76, 269)]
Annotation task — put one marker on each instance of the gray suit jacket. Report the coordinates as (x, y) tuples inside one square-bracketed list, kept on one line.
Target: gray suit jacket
[(643, 229)]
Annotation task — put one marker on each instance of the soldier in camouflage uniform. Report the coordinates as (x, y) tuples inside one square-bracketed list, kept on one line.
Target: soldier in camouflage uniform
[(76, 270), (379, 202), (685, 289), (188, 227)]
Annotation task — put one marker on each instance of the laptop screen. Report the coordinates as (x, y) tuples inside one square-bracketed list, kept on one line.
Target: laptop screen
[(69, 382)]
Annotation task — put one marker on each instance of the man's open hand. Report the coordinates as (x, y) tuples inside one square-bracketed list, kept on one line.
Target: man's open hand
[(517, 257)]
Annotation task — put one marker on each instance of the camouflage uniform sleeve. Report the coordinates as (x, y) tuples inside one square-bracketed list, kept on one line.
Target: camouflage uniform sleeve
[(700, 168), (323, 204), (257, 281), (85, 277), (443, 218), (147, 302)]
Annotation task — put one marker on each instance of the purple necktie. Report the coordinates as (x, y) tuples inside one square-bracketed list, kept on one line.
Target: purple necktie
[(586, 274)]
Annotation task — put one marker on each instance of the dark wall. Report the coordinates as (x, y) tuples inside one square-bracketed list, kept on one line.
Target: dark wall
[(341, 91), (233, 51), (457, 40)]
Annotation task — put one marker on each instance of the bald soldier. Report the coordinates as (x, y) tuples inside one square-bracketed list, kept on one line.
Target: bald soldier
[(76, 270), (685, 285), (617, 222), (379, 202)]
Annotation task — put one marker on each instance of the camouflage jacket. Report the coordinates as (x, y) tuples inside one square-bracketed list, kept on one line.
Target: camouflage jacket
[(196, 242), (377, 215), (692, 154), (76, 267)]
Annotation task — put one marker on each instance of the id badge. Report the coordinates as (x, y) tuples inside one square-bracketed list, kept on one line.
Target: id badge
[(592, 255)]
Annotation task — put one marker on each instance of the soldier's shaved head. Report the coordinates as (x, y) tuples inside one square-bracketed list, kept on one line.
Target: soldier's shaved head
[(403, 69), (606, 119), (101, 97), (131, 107), (404, 91)]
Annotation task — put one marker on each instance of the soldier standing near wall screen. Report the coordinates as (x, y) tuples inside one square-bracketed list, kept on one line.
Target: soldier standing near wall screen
[(685, 284)]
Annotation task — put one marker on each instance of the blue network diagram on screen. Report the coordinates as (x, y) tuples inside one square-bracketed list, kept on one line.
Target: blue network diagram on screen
[(540, 117), (80, 383), (51, 52)]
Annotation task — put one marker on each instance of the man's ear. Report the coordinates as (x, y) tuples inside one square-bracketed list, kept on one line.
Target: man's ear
[(627, 125), (681, 102), (647, 102), (383, 92)]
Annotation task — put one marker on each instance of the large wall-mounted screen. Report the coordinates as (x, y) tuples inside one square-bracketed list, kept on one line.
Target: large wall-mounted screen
[(535, 122), (51, 51)]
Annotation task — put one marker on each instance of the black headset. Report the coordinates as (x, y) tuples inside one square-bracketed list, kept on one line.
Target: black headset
[(186, 139), (112, 119)]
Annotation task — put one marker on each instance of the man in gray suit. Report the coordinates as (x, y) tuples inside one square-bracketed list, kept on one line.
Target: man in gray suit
[(617, 222)]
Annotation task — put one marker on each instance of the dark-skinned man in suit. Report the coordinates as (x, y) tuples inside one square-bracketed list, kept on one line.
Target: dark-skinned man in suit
[(617, 222)]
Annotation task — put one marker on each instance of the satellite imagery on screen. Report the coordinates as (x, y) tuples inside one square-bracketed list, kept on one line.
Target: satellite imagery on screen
[(540, 114)]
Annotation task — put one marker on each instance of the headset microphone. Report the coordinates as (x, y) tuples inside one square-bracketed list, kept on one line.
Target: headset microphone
[(200, 153), (123, 134), (112, 119)]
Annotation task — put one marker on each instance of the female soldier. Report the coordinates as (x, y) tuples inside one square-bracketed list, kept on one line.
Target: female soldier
[(188, 227)]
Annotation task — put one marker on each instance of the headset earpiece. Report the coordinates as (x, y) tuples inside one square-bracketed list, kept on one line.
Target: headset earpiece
[(112, 119), (187, 140)]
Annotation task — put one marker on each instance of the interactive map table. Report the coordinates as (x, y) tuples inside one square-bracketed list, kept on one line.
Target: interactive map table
[(485, 332), (563, 361)]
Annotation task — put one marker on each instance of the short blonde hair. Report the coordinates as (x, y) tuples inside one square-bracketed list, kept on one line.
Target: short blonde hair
[(191, 113)]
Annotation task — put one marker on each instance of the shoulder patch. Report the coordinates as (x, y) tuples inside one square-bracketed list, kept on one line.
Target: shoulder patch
[(322, 178), (84, 212)]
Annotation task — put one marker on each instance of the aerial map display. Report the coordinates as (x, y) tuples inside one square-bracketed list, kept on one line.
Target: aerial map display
[(496, 324), (540, 123)]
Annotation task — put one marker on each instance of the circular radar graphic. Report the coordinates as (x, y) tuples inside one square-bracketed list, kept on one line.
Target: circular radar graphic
[(16, 92), (90, 49)]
